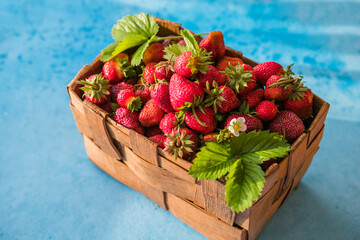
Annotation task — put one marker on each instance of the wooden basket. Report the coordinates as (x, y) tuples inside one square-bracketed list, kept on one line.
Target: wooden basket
[(138, 163)]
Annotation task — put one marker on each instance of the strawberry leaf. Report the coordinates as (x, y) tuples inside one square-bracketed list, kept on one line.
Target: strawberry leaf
[(173, 51), (129, 42), (191, 43), (106, 53)]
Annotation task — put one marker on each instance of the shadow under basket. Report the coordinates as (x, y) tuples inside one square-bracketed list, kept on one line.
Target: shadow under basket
[(137, 162)]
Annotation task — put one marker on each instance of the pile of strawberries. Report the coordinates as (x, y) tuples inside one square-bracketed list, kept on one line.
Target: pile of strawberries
[(199, 96)]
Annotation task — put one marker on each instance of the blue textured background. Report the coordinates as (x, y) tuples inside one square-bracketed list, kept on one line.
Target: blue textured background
[(50, 190)]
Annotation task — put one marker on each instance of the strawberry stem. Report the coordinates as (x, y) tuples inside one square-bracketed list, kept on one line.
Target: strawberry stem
[(157, 39)]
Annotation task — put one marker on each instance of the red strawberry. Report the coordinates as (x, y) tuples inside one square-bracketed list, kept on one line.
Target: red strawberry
[(127, 98), (265, 70), (212, 137), (182, 90), (280, 91), (96, 88), (252, 123), (287, 124), (200, 122), (225, 61), (169, 122), (154, 53), (223, 99), (149, 73), (211, 75), (152, 131), (115, 89), (159, 139), (266, 110), (253, 97), (300, 102), (241, 78), (144, 94), (214, 43), (188, 64), (181, 143), (151, 114), (182, 43), (128, 119), (113, 69), (160, 94), (163, 71)]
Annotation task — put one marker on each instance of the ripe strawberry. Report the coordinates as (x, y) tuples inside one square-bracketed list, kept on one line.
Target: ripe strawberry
[(128, 119), (181, 143), (115, 89), (266, 110), (127, 98), (154, 53), (169, 122), (253, 97), (252, 123), (151, 114), (201, 122), (149, 73), (280, 91), (211, 75), (241, 78), (152, 131), (160, 94), (287, 124), (163, 70), (214, 43), (114, 68), (265, 70), (144, 94), (225, 61), (96, 88), (159, 139), (183, 91), (188, 64), (223, 99), (212, 137), (300, 102)]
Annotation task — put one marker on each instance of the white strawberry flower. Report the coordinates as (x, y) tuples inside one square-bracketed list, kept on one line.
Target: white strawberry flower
[(237, 125)]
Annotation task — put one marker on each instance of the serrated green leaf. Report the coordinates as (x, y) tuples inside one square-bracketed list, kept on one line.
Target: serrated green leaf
[(129, 42), (212, 162), (190, 41), (173, 51), (106, 53), (244, 185), (136, 58), (139, 24)]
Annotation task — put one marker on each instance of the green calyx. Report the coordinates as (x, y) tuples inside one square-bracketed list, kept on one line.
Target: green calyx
[(190, 106), (199, 61), (134, 104), (213, 96), (288, 80), (127, 68), (299, 89), (179, 143), (96, 88), (238, 77)]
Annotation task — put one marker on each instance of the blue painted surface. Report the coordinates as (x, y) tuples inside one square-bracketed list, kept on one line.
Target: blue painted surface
[(50, 190)]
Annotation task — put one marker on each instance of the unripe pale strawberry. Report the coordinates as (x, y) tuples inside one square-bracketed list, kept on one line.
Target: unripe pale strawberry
[(151, 114), (265, 70)]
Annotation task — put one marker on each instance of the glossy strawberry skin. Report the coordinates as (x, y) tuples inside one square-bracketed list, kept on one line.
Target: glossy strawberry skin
[(214, 43), (287, 124), (207, 119), (193, 138), (211, 75), (124, 97), (154, 53), (115, 89), (112, 71), (151, 114), (224, 62), (128, 119), (252, 123), (182, 90), (167, 124), (159, 139), (149, 72), (231, 101), (266, 110), (265, 70), (253, 97), (181, 63), (278, 93), (161, 95), (144, 94), (302, 107)]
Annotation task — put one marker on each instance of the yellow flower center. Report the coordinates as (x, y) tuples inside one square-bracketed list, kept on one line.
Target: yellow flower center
[(237, 126)]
